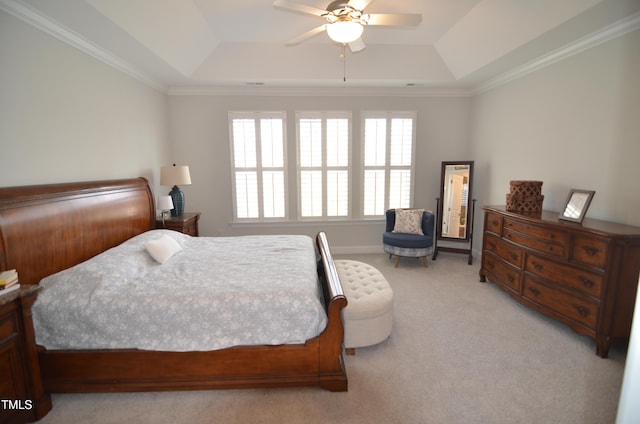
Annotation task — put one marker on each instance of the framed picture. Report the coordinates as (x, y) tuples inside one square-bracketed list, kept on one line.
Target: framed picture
[(577, 204)]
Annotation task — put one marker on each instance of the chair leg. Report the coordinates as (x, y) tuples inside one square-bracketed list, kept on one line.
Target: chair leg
[(426, 262), (397, 261)]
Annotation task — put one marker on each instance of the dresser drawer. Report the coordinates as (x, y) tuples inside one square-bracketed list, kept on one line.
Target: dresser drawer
[(570, 276), (493, 223), (191, 228), (507, 251), (536, 243), (590, 251), (577, 308), (505, 273), (553, 236)]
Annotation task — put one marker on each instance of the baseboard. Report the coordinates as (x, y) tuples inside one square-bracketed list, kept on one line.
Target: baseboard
[(362, 250)]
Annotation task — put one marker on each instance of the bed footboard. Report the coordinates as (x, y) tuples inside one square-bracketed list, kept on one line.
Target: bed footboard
[(334, 376)]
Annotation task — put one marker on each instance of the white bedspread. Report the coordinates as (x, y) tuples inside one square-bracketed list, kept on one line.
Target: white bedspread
[(216, 293)]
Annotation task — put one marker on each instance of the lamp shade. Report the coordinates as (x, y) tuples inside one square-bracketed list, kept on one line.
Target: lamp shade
[(175, 175), (344, 31), (165, 203)]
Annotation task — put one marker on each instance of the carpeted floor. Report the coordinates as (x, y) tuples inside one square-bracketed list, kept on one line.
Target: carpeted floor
[(461, 352)]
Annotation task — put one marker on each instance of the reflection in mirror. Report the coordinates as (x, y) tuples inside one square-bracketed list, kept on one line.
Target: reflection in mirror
[(455, 199)]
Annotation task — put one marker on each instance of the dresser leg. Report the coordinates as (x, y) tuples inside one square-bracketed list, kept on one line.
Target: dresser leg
[(603, 344)]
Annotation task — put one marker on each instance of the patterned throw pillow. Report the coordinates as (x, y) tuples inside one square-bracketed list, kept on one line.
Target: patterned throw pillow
[(409, 221)]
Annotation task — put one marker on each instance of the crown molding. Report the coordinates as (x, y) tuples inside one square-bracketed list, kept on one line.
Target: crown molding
[(28, 14), (329, 91), (610, 32)]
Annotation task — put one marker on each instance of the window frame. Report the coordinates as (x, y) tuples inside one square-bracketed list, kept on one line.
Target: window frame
[(260, 168), (324, 168), (387, 167)]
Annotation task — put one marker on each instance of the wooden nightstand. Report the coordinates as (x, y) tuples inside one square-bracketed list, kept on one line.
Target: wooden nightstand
[(21, 392), (186, 224)]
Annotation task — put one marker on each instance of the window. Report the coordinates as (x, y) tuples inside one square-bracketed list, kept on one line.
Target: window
[(258, 150), (389, 140), (323, 163)]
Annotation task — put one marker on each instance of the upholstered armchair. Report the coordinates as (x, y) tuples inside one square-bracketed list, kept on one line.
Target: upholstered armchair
[(409, 233)]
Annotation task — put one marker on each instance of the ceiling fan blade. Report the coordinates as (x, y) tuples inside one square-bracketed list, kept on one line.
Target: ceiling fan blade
[(300, 38), (395, 19), (297, 7), (359, 4), (356, 46)]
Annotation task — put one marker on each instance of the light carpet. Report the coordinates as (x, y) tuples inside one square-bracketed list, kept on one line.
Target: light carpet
[(461, 351)]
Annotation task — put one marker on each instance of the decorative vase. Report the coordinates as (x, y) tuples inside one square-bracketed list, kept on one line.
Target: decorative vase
[(177, 197)]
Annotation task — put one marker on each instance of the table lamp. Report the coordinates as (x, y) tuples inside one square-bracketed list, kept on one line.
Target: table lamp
[(165, 204), (174, 176)]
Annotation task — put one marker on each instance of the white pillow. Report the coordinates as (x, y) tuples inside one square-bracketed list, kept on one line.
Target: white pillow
[(163, 248), (409, 221)]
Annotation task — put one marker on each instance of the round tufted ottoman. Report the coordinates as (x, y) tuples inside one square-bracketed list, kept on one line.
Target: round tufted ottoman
[(368, 316)]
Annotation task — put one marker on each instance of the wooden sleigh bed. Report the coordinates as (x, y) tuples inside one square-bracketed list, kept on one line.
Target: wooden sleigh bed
[(48, 228)]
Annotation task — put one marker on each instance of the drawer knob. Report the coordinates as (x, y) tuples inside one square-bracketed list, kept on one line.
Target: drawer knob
[(584, 312), (495, 222), (513, 255), (537, 265), (492, 245), (587, 282), (511, 278), (534, 290), (590, 250)]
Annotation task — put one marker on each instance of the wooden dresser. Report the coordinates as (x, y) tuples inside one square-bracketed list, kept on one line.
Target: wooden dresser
[(585, 276)]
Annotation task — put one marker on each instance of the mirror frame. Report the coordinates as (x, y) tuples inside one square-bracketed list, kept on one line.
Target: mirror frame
[(469, 226)]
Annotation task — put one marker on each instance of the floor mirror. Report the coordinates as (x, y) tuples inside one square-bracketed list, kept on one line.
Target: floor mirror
[(455, 210)]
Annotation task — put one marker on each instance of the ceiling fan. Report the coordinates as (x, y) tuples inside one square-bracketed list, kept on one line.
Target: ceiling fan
[(345, 20)]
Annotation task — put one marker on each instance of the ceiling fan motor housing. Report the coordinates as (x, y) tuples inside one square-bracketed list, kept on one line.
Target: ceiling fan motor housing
[(341, 11), (337, 5)]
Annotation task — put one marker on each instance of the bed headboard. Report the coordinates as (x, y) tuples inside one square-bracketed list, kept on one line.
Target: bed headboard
[(47, 228)]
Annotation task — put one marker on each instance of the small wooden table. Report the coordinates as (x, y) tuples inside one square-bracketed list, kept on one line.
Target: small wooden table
[(186, 224)]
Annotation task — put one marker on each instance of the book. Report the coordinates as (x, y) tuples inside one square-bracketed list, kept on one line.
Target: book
[(8, 277), (9, 289), (7, 286)]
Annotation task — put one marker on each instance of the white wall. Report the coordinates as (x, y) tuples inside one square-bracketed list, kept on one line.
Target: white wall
[(199, 129), (65, 116), (575, 124)]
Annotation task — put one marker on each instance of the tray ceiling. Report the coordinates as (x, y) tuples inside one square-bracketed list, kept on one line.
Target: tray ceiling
[(460, 44)]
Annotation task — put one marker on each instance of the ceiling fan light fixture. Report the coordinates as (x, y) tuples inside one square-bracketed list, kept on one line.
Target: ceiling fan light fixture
[(344, 31)]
